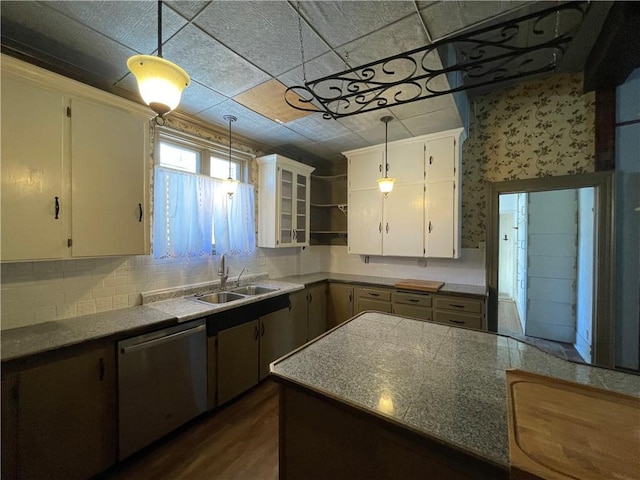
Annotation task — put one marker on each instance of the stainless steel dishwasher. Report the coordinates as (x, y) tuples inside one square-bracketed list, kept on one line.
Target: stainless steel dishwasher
[(162, 383)]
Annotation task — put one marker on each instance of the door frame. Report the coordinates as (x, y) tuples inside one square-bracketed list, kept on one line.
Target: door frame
[(603, 341)]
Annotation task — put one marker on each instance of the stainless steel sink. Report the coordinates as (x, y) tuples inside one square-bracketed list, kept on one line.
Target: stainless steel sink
[(254, 290), (219, 297)]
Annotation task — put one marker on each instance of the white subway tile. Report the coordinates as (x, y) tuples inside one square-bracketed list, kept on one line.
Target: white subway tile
[(104, 304), (86, 307)]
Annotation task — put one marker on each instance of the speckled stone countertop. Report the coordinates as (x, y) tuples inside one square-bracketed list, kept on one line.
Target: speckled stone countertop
[(445, 382), (448, 288), (161, 308)]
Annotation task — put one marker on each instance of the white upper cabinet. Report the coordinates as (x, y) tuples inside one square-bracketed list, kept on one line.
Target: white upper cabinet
[(405, 162), (108, 192), (365, 168), (420, 217), (33, 183), (74, 168), (284, 202)]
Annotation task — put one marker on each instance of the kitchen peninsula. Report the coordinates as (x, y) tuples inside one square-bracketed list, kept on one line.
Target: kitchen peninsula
[(384, 396)]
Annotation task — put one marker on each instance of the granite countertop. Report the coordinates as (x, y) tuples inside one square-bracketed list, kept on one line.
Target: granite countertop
[(445, 382), (447, 288), (161, 308)]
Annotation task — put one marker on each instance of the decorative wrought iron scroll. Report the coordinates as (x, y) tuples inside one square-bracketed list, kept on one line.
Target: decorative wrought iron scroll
[(483, 57)]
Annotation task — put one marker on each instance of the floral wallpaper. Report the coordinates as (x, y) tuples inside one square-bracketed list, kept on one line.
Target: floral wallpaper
[(540, 128)]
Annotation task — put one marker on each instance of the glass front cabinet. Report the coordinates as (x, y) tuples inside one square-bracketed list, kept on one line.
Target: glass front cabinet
[(283, 202)]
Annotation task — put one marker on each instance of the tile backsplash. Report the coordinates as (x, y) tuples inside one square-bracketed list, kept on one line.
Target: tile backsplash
[(36, 292)]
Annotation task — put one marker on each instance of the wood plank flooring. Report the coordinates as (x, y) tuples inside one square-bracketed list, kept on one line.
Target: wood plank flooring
[(509, 324), (239, 441)]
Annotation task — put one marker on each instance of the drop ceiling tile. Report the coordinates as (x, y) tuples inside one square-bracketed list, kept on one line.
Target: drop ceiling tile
[(442, 19), (421, 107), (399, 37), (434, 122), (327, 64), (187, 9), (365, 121), (211, 63), (133, 24), (265, 33), (248, 121), (476, 12), (45, 30), (280, 135), (342, 22), (316, 128), (375, 134), (344, 143), (197, 97)]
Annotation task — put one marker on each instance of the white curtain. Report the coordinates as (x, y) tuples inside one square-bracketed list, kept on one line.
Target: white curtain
[(234, 220), (183, 214), (189, 207)]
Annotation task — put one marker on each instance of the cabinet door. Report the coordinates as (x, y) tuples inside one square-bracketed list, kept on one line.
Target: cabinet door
[(9, 422), (403, 224), (365, 222), (363, 304), (301, 227), (413, 311), (441, 220), (440, 159), (406, 162), (285, 207), (317, 313), (340, 304), (237, 360), (365, 169), (108, 160), (276, 338), (67, 417), (212, 372), (33, 133), (298, 315)]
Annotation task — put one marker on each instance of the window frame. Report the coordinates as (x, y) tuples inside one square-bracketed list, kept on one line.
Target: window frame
[(205, 148)]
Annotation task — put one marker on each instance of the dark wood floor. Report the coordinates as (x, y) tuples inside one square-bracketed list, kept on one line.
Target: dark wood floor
[(509, 324), (239, 441)]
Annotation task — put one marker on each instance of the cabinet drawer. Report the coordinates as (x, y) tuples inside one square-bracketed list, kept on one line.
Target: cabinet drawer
[(372, 304), (458, 319), (459, 304), (376, 293), (412, 299), (413, 311)]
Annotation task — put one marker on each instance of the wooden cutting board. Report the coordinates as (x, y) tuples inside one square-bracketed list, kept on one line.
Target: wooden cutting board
[(419, 285), (565, 430)]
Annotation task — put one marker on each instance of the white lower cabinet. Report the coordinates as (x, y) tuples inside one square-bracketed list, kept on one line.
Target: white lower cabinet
[(74, 168)]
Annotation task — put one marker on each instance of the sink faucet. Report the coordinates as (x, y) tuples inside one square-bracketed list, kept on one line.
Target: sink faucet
[(223, 273)]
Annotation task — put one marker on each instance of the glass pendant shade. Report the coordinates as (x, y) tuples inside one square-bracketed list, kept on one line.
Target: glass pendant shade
[(386, 184), (230, 186), (160, 82)]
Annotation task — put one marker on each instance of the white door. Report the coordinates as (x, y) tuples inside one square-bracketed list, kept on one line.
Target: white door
[(507, 260), (365, 222), (440, 159), (521, 263), (403, 221), (406, 162), (552, 247), (365, 169), (440, 219), (34, 126), (108, 162)]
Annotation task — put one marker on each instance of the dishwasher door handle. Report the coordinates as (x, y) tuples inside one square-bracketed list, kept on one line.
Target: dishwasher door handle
[(161, 340)]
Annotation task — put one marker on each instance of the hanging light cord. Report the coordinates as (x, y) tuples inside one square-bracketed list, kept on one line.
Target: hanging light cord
[(230, 120), (304, 70), (160, 28), (386, 137)]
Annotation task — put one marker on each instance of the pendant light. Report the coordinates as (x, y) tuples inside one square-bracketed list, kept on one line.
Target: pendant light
[(386, 183), (160, 82), (230, 184)]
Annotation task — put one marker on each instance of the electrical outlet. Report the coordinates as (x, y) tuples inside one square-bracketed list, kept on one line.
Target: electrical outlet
[(262, 260)]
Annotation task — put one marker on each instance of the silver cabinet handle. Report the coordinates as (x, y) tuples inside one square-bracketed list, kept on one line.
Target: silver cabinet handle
[(161, 340)]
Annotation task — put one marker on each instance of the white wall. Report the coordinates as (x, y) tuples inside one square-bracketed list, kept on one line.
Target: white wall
[(521, 260), (584, 300)]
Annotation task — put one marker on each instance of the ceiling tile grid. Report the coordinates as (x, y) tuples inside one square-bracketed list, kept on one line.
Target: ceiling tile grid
[(229, 47)]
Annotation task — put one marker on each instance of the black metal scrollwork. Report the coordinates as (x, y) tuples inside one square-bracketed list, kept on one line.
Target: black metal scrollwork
[(484, 57)]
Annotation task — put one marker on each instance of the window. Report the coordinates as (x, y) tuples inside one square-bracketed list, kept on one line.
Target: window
[(190, 206), (189, 153)]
